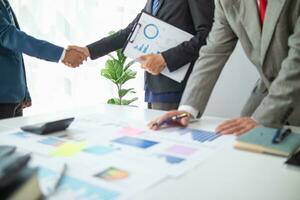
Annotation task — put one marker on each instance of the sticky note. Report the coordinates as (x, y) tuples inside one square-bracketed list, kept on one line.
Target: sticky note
[(130, 131), (68, 149), (182, 150), (99, 150)]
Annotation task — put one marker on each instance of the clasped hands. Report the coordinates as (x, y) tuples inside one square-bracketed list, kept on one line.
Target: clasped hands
[(75, 56)]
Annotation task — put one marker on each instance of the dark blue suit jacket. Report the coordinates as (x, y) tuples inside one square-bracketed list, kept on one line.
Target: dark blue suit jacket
[(13, 42)]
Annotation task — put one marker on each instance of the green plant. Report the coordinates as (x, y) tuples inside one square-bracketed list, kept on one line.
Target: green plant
[(118, 71)]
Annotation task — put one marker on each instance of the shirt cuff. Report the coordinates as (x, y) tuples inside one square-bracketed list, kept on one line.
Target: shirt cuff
[(62, 57), (194, 112)]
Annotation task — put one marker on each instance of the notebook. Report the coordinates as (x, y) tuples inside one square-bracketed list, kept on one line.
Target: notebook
[(260, 140)]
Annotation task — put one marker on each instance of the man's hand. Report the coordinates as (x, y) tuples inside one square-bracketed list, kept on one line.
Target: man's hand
[(26, 104), (74, 58), (83, 50), (155, 125), (237, 126), (153, 63)]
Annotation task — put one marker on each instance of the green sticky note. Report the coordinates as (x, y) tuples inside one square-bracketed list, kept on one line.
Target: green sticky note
[(68, 149)]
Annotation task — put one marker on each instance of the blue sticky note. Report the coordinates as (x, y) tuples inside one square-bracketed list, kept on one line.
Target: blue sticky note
[(135, 142), (99, 150)]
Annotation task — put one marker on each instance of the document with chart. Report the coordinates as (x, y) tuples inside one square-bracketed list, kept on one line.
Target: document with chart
[(153, 36), (114, 159)]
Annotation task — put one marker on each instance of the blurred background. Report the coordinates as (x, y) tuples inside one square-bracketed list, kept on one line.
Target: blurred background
[(66, 22)]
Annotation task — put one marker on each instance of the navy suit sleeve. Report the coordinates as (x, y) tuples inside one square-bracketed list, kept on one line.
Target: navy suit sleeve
[(202, 12), (18, 41)]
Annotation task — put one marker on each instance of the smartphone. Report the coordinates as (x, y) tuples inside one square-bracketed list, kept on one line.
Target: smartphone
[(48, 127)]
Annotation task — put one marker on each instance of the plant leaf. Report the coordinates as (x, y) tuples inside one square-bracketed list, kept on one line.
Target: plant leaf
[(114, 101), (128, 102), (124, 92), (129, 65), (121, 57), (127, 75), (112, 57)]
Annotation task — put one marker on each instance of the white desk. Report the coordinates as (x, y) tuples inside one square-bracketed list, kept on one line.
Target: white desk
[(230, 175)]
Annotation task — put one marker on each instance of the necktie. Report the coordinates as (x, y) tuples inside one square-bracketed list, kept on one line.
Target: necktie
[(262, 10), (9, 10), (155, 6)]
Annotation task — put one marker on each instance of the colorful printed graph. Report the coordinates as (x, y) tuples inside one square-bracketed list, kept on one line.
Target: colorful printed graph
[(151, 31), (135, 142), (199, 135), (76, 188), (113, 174), (142, 48), (173, 160)]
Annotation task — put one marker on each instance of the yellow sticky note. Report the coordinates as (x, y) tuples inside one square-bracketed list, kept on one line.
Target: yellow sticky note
[(68, 149)]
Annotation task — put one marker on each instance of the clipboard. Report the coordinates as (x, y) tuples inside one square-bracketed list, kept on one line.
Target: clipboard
[(151, 35)]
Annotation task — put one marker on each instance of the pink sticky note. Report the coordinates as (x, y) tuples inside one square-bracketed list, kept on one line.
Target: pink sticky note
[(178, 149), (130, 132)]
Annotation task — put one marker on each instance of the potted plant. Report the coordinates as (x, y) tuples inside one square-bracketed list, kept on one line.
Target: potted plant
[(118, 71)]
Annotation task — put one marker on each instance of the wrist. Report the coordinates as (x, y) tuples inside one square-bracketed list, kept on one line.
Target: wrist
[(87, 52), (63, 54)]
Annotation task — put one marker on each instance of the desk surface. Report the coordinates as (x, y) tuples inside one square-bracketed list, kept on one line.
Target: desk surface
[(229, 175)]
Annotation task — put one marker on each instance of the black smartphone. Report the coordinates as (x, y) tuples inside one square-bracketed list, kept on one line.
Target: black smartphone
[(48, 127), (294, 159)]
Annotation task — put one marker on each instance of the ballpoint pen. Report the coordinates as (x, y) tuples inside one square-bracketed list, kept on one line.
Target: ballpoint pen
[(280, 135), (172, 119), (57, 183)]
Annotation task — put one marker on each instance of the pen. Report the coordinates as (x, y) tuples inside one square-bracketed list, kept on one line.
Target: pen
[(58, 182), (280, 135), (172, 119)]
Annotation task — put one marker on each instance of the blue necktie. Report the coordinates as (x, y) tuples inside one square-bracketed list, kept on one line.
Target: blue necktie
[(155, 6)]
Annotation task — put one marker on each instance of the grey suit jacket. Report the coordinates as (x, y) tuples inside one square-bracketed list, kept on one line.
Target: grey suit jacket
[(273, 49)]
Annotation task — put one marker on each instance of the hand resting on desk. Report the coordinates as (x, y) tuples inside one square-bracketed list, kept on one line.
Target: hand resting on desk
[(237, 126)]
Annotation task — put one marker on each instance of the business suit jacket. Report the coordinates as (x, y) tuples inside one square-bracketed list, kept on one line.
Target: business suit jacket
[(13, 42), (273, 49), (193, 16)]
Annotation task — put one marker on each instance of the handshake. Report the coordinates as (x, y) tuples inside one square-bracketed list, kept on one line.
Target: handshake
[(152, 63), (75, 56)]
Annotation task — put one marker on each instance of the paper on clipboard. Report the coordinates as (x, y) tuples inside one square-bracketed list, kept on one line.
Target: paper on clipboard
[(152, 36)]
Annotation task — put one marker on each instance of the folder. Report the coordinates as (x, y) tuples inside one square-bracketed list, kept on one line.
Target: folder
[(260, 140), (153, 36)]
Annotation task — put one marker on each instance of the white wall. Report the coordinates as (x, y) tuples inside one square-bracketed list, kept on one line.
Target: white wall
[(232, 90), (54, 87)]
